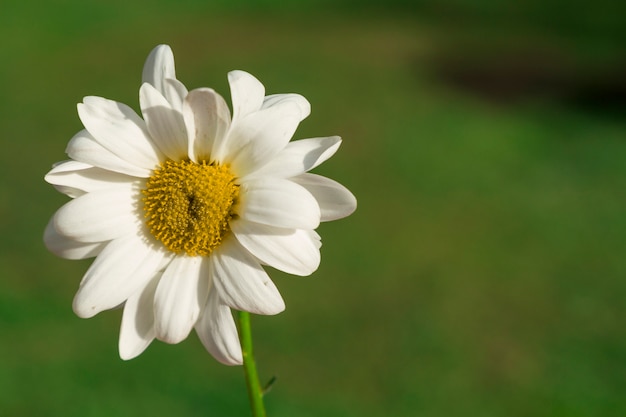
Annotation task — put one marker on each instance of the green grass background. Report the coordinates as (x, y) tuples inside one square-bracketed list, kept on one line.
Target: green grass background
[(483, 273)]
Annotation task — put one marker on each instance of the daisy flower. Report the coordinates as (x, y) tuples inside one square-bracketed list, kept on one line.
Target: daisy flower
[(184, 205)]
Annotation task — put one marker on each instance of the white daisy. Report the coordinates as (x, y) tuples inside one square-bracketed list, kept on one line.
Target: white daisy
[(183, 207)]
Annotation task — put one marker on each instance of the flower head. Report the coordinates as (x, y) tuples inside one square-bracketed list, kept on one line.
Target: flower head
[(182, 208)]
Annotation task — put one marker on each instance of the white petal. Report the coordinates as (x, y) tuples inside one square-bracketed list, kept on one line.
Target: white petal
[(247, 93), (294, 251), (315, 238), (84, 148), (207, 118), (99, 216), (137, 329), (299, 157), (335, 200), (158, 67), (74, 178), (241, 281), (278, 202), (175, 93), (69, 166), (123, 267), (119, 129), (218, 333), (180, 296), (165, 124), (69, 248), (257, 138), (303, 103)]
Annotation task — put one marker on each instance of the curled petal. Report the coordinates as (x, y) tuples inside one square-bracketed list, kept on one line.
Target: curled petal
[(218, 333), (294, 251), (335, 200)]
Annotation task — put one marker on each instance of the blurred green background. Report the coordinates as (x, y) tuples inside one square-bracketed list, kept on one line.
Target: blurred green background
[(483, 273)]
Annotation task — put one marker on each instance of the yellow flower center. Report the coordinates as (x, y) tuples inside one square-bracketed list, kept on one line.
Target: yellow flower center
[(188, 206)]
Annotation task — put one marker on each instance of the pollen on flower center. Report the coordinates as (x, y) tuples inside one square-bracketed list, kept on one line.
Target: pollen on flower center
[(188, 205)]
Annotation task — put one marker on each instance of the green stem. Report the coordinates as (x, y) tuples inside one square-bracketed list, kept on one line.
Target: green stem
[(255, 393)]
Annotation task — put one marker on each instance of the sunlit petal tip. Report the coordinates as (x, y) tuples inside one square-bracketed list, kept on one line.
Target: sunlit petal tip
[(82, 310), (158, 66), (333, 144), (130, 349), (128, 352), (247, 93), (296, 100), (335, 200)]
